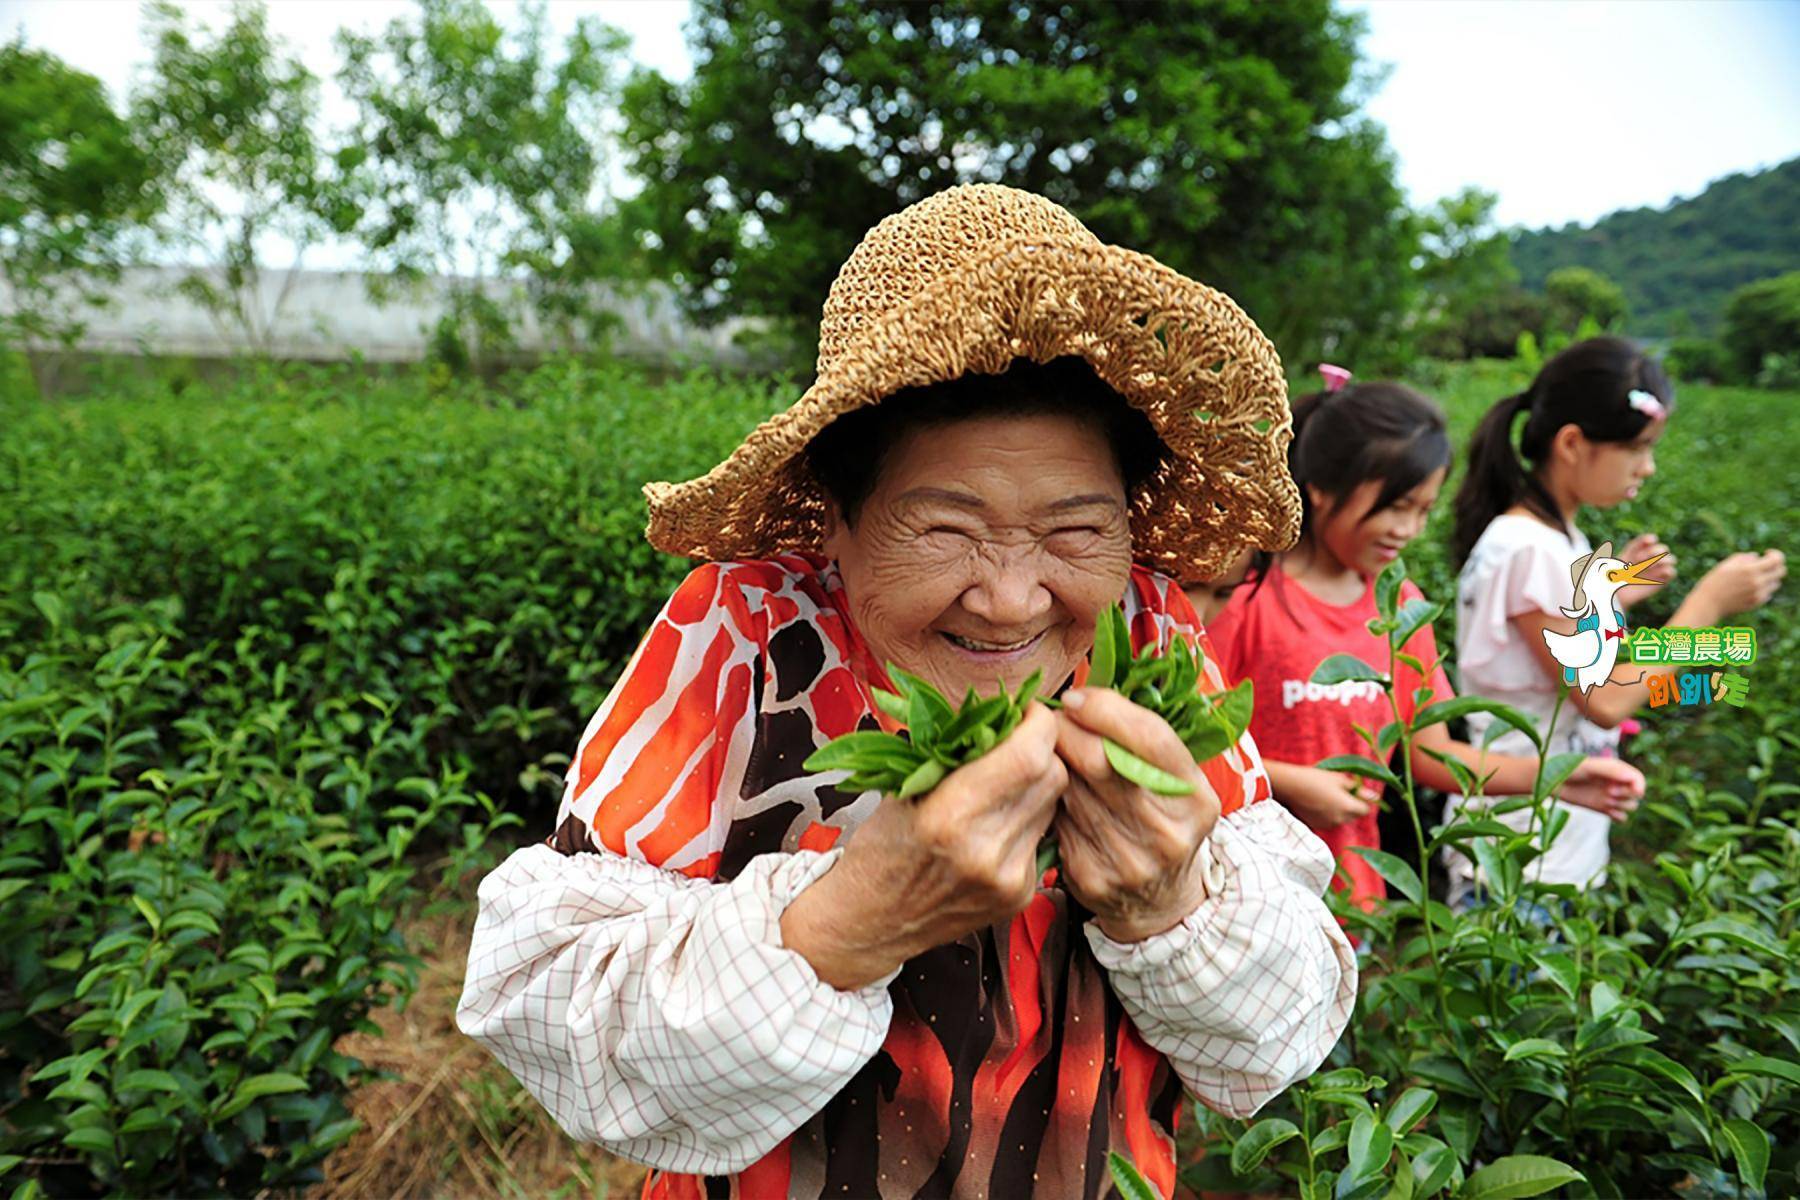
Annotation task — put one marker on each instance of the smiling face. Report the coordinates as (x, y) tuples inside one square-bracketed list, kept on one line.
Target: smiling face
[(987, 549), (1607, 473), (1368, 541)]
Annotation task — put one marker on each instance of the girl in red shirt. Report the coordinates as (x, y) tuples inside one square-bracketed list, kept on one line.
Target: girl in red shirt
[(1369, 460)]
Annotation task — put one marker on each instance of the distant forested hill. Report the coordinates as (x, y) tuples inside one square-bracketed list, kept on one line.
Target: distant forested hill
[(1686, 258)]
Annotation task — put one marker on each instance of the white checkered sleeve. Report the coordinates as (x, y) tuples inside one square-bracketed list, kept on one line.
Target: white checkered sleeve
[(660, 1015), (1251, 991)]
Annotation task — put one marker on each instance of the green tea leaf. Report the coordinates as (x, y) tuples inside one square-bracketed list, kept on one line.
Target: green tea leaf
[(927, 776), (1371, 1145), (95, 1141), (852, 750), (1028, 691), (1121, 634), (1462, 706), (1655, 1062), (1236, 707), (1603, 999), (1356, 764), (1750, 1146), (1346, 668), (1769, 1068), (1516, 1176), (890, 703), (1432, 1169), (1742, 933), (1413, 616), (1258, 1141), (1131, 1184), (926, 712), (1558, 768), (1103, 659), (1387, 587), (1144, 774), (273, 1083), (1535, 1047), (1409, 1108), (149, 1080), (1395, 870), (1209, 742)]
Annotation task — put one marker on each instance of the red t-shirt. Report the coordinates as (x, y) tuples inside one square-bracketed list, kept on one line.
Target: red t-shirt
[(1277, 635)]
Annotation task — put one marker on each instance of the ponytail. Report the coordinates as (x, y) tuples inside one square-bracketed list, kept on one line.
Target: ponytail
[(1589, 386), (1496, 479)]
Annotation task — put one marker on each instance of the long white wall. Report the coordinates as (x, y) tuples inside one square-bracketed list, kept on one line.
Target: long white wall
[(328, 315)]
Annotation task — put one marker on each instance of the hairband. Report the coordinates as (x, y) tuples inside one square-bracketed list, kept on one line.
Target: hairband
[(1647, 404), (1335, 377)]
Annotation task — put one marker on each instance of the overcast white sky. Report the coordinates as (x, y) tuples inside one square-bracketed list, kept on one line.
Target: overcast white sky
[(1568, 110)]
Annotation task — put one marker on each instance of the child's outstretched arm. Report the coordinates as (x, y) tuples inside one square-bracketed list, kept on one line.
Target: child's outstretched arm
[(1606, 785), (1739, 583)]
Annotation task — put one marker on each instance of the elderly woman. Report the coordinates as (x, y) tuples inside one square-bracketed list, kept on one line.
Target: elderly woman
[(724, 967)]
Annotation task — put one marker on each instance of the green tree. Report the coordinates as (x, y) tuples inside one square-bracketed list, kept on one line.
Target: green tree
[(73, 184), (1574, 293), (1761, 319), (1220, 136), (479, 162), (1679, 264), (1467, 282), (233, 119)]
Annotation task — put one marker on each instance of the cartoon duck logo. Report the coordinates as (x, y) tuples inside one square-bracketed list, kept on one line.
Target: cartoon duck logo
[(1587, 655)]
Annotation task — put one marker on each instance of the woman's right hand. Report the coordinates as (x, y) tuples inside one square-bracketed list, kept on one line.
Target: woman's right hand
[(1742, 581), (1327, 799), (922, 872)]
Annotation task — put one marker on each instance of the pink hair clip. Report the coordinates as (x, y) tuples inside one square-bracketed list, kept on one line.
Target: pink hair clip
[(1335, 377), (1647, 404)]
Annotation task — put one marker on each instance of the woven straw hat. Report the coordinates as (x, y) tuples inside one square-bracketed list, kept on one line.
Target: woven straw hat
[(970, 279)]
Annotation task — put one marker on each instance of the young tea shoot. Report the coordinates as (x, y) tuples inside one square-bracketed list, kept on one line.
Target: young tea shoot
[(937, 740), (1167, 684)]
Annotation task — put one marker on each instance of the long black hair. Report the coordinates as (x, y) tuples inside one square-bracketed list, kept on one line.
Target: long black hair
[(1589, 386), (1364, 431)]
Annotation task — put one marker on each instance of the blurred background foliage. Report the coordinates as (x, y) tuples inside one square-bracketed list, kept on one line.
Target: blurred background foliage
[(1226, 138)]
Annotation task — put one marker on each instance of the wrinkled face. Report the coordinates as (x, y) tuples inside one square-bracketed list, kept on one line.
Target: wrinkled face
[(986, 551), (1609, 473), (1368, 541)]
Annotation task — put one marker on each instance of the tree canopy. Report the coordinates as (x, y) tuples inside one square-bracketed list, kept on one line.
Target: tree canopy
[(1221, 136)]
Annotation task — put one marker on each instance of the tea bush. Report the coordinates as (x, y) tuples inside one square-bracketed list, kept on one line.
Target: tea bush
[(266, 652), (278, 651), (1641, 1038)]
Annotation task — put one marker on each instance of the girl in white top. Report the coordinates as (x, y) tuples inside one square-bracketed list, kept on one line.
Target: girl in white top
[(1593, 417)]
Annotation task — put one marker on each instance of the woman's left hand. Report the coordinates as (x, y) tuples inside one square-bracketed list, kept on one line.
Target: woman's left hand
[(1128, 854)]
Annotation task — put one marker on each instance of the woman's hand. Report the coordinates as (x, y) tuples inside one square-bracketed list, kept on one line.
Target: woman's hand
[(1606, 785), (1326, 799), (1741, 582), (1128, 854), (1646, 545), (922, 872)]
